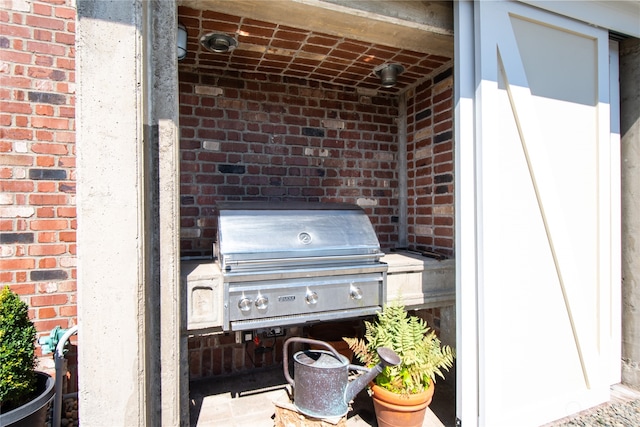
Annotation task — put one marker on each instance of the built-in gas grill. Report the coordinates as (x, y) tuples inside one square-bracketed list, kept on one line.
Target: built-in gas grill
[(292, 263)]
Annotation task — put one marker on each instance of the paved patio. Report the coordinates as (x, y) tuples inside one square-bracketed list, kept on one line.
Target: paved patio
[(248, 400)]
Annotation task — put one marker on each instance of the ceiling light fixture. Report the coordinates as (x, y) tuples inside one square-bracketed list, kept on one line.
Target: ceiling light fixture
[(219, 43), (388, 74), (182, 42)]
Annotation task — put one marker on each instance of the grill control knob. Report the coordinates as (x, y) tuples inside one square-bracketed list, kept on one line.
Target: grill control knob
[(244, 304), (262, 302), (311, 298), (355, 292)]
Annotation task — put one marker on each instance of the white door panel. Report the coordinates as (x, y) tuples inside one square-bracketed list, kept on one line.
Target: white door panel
[(543, 206)]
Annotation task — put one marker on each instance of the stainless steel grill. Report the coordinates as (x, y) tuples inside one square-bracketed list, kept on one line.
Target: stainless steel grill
[(292, 263)]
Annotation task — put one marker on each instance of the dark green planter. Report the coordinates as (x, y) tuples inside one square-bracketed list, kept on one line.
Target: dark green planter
[(34, 412)]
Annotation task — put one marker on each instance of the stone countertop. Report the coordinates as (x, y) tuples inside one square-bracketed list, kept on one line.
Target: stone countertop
[(419, 281)]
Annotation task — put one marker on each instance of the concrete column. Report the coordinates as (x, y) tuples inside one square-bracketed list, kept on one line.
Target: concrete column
[(630, 170), (129, 305), (112, 256), (164, 138)]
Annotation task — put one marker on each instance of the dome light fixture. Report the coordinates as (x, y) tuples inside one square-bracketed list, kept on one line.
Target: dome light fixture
[(388, 74), (182, 42), (218, 43)]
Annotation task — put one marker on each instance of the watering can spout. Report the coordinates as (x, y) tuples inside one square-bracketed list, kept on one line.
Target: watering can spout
[(387, 356)]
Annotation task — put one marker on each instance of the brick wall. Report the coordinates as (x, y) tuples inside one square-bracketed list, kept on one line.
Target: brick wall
[(430, 164), (279, 139), (218, 354), (37, 158), (273, 138)]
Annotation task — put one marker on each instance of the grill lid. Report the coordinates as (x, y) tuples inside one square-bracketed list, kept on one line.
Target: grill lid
[(267, 235)]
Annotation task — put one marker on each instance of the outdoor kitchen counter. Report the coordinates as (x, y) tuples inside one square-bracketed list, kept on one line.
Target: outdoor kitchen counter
[(205, 299), (417, 281), (420, 282)]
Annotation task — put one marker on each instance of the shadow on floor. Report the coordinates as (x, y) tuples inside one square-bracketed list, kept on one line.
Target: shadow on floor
[(235, 386), (444, 398)]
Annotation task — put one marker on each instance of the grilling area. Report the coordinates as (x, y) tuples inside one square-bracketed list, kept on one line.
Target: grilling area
[(283, 264), (289, 269), (313, 192)]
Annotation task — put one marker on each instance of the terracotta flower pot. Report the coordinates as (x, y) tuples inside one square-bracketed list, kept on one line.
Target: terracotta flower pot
[(332, 333), (395, 410)]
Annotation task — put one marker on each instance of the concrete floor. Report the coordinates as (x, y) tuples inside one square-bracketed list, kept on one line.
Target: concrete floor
[(247, 400)]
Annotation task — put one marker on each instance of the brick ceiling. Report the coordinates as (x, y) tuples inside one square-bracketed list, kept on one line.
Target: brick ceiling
[(274, 49)]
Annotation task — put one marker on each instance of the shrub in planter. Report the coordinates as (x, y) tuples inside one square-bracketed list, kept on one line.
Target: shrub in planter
[(401, 393), (17, 352), (421, 352)]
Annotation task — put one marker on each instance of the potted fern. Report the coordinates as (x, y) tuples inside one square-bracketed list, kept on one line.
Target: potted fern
[(402, 393), (24, 392)]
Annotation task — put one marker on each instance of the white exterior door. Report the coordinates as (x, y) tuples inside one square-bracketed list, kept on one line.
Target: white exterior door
[(535, 247)]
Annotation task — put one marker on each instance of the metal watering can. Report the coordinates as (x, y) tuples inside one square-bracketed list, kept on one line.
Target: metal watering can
[(322, 388)]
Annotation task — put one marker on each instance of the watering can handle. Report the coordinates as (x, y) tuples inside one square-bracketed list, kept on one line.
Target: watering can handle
[(285, 358)]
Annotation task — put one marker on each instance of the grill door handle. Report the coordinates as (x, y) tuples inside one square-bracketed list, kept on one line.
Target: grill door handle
[(297, 261)]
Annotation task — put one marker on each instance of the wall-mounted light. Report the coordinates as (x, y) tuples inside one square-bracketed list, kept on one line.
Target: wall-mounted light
[(388, 74), (182, 42), (219, 43)]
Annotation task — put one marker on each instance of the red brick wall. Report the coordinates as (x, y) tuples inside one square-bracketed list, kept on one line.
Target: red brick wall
[(37, 158), (218, 354), (272, 138), (430, 164)]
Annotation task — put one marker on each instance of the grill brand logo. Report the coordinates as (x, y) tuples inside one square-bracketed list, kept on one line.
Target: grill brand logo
[(304, 238), (287, 298)]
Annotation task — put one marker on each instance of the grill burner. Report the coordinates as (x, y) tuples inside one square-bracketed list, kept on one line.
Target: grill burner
[(293, 263)]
